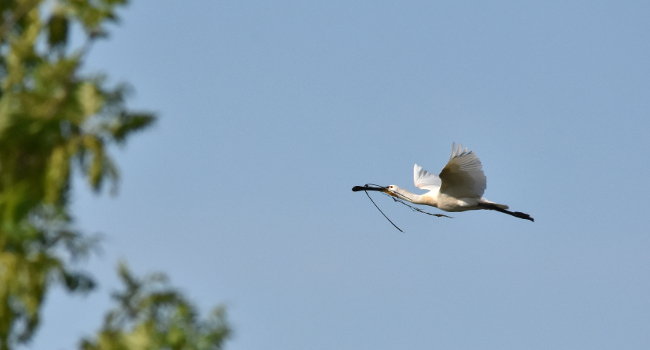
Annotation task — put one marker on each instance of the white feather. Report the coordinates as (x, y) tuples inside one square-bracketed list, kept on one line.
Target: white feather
[(424, 179), (463, 175)]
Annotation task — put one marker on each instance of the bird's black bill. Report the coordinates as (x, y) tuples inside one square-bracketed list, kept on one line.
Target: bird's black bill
[(369, 187)]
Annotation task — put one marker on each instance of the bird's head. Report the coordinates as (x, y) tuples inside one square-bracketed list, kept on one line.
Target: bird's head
[(392, 190)]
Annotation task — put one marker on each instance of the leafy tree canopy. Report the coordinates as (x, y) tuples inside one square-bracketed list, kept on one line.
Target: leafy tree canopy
[(56, 121), (151, 315)]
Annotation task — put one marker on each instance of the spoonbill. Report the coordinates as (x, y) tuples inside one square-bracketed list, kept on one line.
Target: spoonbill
[(459, 187)]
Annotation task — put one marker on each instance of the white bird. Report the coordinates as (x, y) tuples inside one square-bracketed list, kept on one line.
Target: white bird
[(459, 187)]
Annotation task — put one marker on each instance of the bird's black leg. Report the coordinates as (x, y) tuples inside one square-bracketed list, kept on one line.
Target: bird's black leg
[(516, 214)]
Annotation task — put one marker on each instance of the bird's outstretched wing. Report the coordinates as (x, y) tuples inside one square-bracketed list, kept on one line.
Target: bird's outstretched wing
[(424, 179), (463, 176)]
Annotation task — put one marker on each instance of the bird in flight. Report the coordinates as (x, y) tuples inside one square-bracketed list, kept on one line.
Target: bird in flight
[(459, 187)]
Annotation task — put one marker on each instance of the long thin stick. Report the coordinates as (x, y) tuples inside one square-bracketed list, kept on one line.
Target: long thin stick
[(382, 213), (418, 209)]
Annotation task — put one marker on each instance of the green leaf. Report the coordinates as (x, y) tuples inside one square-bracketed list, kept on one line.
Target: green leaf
[(130, 122), (57, 28), (57, 177), (90, 99), (78, 281)]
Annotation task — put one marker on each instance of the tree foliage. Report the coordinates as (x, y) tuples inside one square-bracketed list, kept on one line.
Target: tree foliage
[(152, 315), (55, 121)]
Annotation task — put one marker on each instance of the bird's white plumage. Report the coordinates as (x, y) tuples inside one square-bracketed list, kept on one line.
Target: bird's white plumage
[(424, 179), (459, 187), (463, 175)]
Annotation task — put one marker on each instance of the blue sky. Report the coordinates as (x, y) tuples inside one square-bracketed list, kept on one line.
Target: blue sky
[(271, 111)]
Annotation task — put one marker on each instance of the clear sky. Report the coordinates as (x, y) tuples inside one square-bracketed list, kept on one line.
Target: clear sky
[(270, 111)]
